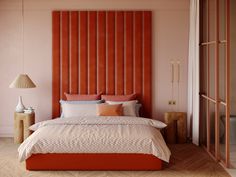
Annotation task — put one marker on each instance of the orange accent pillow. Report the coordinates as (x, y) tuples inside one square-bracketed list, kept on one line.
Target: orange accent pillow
[(119, 97), (109, 110), (78, 97)]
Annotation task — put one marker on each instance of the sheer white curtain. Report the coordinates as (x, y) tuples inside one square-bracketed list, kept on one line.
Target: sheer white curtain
[(193, 73)]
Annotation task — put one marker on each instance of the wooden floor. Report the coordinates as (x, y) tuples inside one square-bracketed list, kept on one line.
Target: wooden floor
[(187, 160)]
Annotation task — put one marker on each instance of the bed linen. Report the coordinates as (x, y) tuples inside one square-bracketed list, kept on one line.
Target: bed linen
[(96, 134)]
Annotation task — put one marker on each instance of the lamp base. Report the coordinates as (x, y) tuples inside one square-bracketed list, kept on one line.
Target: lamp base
[(20, 106)]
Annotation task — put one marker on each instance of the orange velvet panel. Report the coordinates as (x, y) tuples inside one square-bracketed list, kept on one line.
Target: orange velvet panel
[(93, 162), (102, 51)]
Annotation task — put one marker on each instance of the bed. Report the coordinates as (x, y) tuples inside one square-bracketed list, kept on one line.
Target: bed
[(95, 52), (103, 143)]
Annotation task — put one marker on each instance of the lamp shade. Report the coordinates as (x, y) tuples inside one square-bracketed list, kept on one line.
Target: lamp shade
[(22, 81)]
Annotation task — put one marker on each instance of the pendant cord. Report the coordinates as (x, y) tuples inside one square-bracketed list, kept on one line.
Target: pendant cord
[(22, 28), (172, 85), (178, 99)]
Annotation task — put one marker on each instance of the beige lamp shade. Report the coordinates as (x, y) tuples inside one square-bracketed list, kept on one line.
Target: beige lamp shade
[(22, 81)]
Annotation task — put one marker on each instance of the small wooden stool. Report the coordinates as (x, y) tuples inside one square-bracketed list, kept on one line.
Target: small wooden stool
[(22, 123), (176, 131)]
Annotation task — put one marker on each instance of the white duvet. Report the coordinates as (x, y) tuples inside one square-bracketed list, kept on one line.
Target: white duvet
[(96, 135)]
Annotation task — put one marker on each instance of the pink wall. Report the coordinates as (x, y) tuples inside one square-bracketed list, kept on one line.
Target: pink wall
[(170, 42)]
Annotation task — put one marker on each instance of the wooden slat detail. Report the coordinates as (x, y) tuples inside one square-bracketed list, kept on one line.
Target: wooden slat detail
[(55, 64), (74, 53), (128, 52), (138, 54), (101, 52), (147, 62), (83, 64), (92, 60), (65, 53), (119, 53), (111, 52)]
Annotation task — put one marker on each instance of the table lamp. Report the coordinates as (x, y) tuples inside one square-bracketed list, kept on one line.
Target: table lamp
[(22, 81)]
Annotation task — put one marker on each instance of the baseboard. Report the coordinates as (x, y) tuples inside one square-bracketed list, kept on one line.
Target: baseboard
[(6, 131)]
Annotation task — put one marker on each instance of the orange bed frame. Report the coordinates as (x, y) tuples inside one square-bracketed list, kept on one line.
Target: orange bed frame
[(90, 161)]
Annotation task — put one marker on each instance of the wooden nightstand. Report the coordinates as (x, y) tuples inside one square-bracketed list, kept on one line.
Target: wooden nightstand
[(22, 122), (176, 130)]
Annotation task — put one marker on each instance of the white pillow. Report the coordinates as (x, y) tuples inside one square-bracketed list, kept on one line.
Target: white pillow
[(129, 107), (74, 110), (78, 102), (137, 109)]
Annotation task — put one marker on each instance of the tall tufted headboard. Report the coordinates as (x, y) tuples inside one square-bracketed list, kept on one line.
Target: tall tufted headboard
[(102, 51)]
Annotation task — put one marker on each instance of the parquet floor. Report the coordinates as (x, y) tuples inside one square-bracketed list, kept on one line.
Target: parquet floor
[(187, 160)]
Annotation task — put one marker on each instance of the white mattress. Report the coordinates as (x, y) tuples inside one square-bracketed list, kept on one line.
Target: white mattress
[(96, 135)]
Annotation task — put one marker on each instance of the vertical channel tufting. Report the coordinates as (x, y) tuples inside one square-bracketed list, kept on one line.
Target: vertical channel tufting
[(111, 52), (65, 53), (56, 64), (102, 51), (128, 52), (74, 52), (92, 55), (83, 63), (147, 62), (120, 53), (138, 54)]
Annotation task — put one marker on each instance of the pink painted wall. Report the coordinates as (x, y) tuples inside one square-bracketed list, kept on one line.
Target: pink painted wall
[(170, 42)]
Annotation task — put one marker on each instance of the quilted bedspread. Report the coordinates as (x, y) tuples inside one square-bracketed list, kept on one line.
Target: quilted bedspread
[(96, 135)]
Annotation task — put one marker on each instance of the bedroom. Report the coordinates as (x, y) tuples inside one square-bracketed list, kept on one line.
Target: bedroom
[(31, 52)]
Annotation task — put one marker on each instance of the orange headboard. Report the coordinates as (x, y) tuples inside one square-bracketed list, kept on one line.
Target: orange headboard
[(102, 51)]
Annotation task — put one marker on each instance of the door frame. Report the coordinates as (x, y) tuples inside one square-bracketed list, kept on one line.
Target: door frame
[(217, 101)]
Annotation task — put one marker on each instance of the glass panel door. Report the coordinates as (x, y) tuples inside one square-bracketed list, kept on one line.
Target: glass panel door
[(214, 78)]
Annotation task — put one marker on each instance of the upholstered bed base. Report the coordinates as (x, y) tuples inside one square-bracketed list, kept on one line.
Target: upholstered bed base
[(93, 162)]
